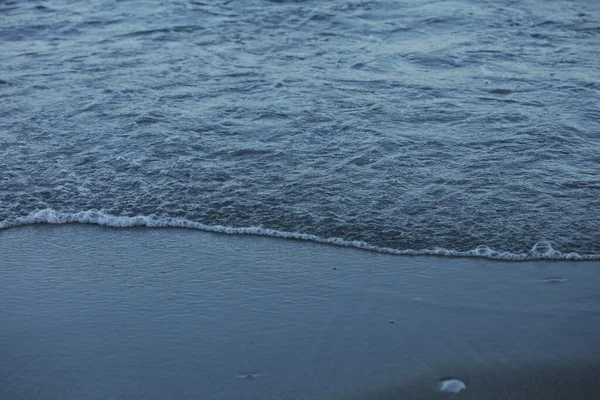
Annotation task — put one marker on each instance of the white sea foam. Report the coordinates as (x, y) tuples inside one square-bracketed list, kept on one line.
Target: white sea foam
[(540, 251)]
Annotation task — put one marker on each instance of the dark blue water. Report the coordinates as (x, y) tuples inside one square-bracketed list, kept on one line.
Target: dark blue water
[(466, 127)]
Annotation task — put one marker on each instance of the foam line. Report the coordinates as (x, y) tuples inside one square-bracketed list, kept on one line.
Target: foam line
[(541, 251)]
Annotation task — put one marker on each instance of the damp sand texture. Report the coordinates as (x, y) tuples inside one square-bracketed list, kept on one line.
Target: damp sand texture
[(99, 313)]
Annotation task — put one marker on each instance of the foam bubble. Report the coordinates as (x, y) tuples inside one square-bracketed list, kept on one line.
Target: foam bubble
[(543, 249)]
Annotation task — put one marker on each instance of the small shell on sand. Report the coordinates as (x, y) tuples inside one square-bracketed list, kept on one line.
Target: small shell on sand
[(452, 385)]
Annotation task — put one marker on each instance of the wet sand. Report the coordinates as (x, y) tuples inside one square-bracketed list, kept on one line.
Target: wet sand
[(100, 313)]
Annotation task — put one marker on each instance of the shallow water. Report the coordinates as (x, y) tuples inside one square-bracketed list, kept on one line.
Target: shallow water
[(403, 125)]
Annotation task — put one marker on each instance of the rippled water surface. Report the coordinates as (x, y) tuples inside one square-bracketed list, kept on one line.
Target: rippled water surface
[(396, 124)]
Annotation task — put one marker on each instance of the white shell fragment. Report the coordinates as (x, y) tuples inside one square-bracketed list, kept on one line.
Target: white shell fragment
[(452, 385)]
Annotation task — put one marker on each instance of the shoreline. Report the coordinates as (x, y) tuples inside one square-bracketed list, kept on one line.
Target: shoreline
[(541, 251), (93, 312)]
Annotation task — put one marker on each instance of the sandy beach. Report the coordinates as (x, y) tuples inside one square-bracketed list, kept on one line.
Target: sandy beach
[(88, 312)]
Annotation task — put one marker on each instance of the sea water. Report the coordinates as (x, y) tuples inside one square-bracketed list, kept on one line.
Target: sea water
[(466, 127), (461, 127)]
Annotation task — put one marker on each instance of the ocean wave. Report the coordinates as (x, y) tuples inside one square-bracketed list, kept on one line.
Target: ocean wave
[(540, 251)]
